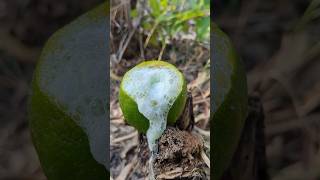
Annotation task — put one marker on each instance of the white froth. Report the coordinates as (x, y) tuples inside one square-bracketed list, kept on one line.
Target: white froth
[(154, 89)]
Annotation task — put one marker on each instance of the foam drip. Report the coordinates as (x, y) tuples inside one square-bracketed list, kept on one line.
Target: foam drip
[(154, 89)]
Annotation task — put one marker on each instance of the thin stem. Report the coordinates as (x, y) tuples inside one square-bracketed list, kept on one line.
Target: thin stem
[(150, 34), (162, 50)]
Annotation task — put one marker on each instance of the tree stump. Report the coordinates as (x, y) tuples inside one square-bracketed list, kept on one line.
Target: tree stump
[(179, 150), (178, 157)]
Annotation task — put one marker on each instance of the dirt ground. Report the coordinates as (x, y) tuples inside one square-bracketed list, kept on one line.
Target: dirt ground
[(283, 68)]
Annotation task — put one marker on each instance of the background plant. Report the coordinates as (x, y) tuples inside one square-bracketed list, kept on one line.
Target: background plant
[(165, 21)]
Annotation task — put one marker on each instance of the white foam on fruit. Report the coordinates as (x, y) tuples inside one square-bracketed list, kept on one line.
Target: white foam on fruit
[(154, 89)]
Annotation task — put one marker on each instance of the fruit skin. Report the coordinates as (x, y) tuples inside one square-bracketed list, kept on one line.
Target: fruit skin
[(62, 145), (229, 101), (130, 108)]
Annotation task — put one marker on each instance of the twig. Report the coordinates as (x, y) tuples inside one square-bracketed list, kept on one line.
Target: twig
[(130, 145), (205, 158), (201, 101), (116, 117), (150, 34), (201, 131), (141, 47), (126, 170), (123, 49), (119, 5), (114, 76), (201, 117), (123, 138), (171, 174), (117, 121), (162, 50)]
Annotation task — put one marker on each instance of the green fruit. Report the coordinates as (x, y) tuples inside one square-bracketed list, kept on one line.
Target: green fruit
[(68, 104), (229, 99), (130, 108)]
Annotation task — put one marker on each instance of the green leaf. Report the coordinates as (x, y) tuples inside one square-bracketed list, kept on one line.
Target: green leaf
[(155, 7), (134, 13), (165, 16), (203, 28), (164, 4), (173, 17), (146, 26), (188, 15)]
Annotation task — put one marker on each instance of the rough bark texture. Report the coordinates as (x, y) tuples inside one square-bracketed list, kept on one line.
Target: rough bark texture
[(186, 120), (179, 151), (178, 156), (249, 161)]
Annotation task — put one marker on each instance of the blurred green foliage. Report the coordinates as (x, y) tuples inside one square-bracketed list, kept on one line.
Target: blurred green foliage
[(166, 20), (311, 13)]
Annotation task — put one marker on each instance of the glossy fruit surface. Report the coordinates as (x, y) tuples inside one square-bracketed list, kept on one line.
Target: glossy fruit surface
[(68, 104), (130, 108), (228, 101)]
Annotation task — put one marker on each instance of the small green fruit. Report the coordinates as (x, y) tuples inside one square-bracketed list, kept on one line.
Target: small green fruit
[(229, 99), (129, 106)]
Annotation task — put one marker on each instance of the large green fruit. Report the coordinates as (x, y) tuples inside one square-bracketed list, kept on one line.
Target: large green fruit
[(130, 108), (229, 99), (68, 105)]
